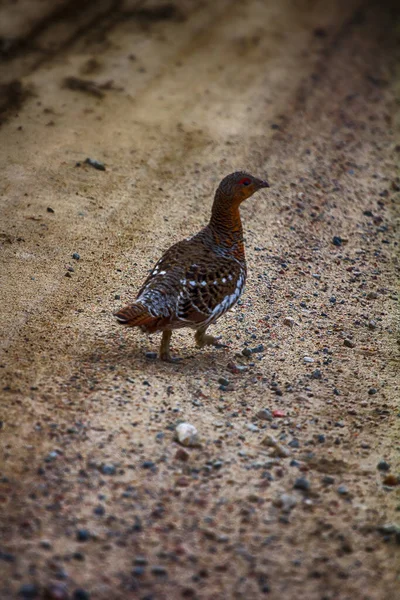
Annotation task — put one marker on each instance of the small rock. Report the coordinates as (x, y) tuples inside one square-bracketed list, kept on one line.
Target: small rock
[(328, 480), (332, 300), (316, 374), (83, 535), (302, 484), (372, 391), (237, 368), (337, 240), (287, 502), (348, 343), (288, 321), (182, 454), (223, 381), (372, 296), (95, 164), (383, 465), (252, 427), (159, 571), (343, 490), (308, 360), (76, 256), (108, 469), (246, 352), (391, 480), (148, 464), (50, 210), (187, 434), (28, 590), (151, 355), (264, 414), (278, 449), (80, 594), (279, 414), (372, 324), (257, 349)]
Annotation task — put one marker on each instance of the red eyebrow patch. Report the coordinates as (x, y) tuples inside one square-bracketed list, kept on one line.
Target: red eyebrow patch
[(245, 181)]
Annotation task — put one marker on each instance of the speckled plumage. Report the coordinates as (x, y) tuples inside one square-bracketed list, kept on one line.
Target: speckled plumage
[(198, 279)]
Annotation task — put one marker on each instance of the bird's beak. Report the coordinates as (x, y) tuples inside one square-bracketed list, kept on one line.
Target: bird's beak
[(264, 184)]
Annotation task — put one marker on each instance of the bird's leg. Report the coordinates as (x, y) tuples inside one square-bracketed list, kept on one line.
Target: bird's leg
[(164, 347), (202, 339)]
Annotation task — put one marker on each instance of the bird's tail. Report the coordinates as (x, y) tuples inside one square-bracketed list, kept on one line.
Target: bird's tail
[(133, 315)]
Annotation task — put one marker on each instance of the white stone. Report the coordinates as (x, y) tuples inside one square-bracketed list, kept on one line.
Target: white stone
[(186, 434)]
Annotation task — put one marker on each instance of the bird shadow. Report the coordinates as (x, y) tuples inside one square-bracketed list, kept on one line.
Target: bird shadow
[(128, 354)]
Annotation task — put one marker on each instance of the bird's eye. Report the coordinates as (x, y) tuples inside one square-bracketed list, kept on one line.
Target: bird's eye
[(245, 181)]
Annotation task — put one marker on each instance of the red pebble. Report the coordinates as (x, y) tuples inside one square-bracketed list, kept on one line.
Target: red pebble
[(278, 413)]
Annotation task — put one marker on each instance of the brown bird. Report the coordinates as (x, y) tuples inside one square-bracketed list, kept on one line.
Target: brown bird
[(198, 279)]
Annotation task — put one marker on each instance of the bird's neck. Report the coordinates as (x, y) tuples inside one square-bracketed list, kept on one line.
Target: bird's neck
[(226, 225)]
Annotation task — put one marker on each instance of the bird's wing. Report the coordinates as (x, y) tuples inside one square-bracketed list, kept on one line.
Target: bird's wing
[(209, 289)]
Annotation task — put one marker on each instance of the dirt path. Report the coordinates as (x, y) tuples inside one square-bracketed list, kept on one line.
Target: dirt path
[(98, 500)]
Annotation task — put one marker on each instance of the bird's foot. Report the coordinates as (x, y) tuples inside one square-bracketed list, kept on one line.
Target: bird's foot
[(208, 340), (166, 357)]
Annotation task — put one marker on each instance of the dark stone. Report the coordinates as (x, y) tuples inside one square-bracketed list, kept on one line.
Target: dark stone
[(337, 240), (302, 484), (28, 590), (83, 535), (383, 465)]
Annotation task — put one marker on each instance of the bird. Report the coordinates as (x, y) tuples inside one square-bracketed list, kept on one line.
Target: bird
[(199, 278)]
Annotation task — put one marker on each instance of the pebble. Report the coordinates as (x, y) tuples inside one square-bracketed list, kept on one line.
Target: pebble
[(223, 381), (391, 480), (278, 448), (28, 590), (83, 535), (302, 484), (252, 427), (187, 434), (76, 256), (257, 349), (246, 352), (108, 469), (372, 296), (316, 374), (148, 464), (151, 355), (337, 240), (50, 210), (328, 480), (264, 414), (159, 571), (372, 324), (95, 164), (237, 368), (372, 391), (182, 454), (308, 360), (288, 321), (81, 594), (383, 465), (343, 490), (278, 414), (287, 502), (348, 343)]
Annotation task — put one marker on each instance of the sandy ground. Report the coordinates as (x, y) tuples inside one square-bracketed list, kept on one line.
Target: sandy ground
[(97, 498)]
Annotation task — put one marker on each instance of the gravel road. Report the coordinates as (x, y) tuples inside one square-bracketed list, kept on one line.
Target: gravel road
[(291, 491)]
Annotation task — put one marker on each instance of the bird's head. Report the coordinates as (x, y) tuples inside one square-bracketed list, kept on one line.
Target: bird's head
[(238, 186)]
